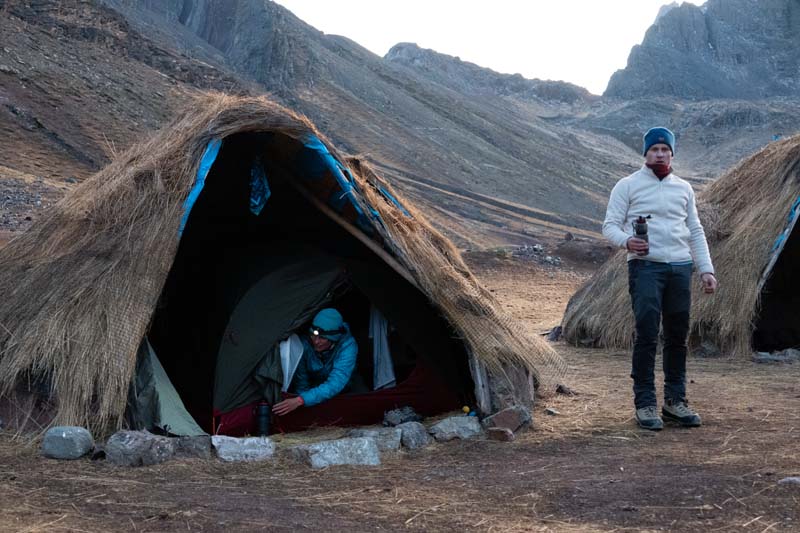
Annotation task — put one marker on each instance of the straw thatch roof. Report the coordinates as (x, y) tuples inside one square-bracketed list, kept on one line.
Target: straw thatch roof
[(743, 213), (79, 288)]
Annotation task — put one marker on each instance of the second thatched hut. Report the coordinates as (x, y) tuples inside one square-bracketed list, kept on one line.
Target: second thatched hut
[(750, 217)]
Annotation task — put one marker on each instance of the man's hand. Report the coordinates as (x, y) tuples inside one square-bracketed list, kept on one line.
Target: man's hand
[(709, 282), (287, 406), (637, 246)]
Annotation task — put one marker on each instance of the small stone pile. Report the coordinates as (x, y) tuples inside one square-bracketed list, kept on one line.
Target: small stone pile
[(537, 253)]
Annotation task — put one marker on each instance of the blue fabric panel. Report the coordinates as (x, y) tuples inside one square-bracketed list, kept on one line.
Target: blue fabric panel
[(259, 187), (315, 167), (209, 156), (392, 199), (783, 235), (795, 205)]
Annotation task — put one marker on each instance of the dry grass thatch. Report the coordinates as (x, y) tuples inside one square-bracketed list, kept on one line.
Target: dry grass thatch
[(79, 288), (743, 213)]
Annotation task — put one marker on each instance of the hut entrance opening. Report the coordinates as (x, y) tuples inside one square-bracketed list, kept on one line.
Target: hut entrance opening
[(243, 281), (778, 323)]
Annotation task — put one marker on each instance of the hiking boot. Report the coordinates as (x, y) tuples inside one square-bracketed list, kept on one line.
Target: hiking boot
[(647, 418), (681, 413)]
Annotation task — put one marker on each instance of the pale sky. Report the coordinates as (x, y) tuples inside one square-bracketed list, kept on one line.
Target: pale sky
[(580, 41)]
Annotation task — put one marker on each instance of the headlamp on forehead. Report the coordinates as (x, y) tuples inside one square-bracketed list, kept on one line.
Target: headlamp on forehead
[(317, 331)]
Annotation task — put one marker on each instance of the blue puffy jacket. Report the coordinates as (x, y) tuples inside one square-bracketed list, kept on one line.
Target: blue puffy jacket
[(321, 376)]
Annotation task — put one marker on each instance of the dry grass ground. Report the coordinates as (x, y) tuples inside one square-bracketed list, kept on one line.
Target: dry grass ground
[(586, 469)]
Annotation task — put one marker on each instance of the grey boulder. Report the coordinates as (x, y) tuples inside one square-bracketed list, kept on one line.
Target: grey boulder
[(248, 449), (790, 355), (349, 451), (789, 481), (456, 427), (500, 434), (67, 442), (139, 448), (513, 418), (415, 435), (395, 417), (196, 447), (387, 439)]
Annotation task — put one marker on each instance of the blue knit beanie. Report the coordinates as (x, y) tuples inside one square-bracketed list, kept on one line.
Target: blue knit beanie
[(329, 323), (659, 135)]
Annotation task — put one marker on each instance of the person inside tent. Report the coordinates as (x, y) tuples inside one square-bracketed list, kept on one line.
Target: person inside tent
[(326, 368)]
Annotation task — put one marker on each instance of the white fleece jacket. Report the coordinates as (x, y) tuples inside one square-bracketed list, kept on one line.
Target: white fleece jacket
[(674, 231)]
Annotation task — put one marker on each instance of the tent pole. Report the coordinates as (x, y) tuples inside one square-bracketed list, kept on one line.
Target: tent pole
[(354, 231)]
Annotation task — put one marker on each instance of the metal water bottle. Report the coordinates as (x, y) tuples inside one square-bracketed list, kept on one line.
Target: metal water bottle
[(640, 230), (262, 418)]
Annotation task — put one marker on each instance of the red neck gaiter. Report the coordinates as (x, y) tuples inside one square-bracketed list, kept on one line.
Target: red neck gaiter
[(660, 170)]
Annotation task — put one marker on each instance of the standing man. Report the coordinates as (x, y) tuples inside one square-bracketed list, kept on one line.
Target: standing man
[(659, 274)]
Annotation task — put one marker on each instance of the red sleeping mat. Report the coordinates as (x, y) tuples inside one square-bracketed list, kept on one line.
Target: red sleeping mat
[(425, 392)]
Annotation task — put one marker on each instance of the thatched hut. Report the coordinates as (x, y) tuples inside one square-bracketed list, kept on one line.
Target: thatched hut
[(173, 240), (749, 215)]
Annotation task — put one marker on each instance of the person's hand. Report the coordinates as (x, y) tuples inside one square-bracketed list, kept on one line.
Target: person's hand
[(287, 406), (709, 282), (637, 246)]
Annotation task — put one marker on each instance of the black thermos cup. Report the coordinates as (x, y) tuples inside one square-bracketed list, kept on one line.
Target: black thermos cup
[(262, 418), (640, 231)]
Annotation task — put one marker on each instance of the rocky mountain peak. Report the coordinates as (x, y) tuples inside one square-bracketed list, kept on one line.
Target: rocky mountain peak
[(725, 49), (469, 78)]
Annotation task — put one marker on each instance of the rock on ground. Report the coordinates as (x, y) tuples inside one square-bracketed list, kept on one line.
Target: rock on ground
[(789, 355), (247, 449), (349, 451), (513, 418), (67, 442), (415, 435), (387, 439), (196, 447), (789, 481), (456, 427), (500, 434), (395, 417), (139, 448)]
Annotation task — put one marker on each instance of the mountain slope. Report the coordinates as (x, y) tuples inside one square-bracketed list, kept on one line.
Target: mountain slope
[(491, 158), (417, 132)]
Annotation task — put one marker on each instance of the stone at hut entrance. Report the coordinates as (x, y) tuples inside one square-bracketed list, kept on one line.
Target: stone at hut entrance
[(248, 449), (415, 435), (456, 427), (500, 434), (67, 442), (790, 355), (196, 447), (396, 417), (387, 439), (139, 448), (513, 418), (352, 451)]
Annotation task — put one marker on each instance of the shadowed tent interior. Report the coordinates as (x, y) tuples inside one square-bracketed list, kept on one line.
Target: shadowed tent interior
[(213, 239), (241, 282), (750, 217)]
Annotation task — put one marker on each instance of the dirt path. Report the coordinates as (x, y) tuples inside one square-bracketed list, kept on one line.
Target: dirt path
[(586, 469)]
